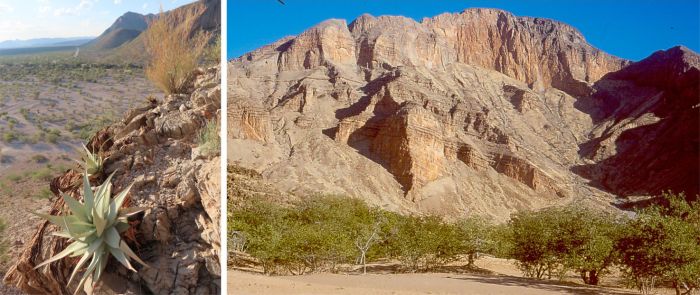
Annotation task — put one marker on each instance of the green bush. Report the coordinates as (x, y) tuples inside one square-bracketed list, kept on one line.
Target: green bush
[(209, 139), (3, 243), (662, 245), (478, 235), (323, 231), (558, 240)]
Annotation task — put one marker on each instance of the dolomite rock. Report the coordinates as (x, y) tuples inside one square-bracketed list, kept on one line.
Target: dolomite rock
[(478, 112), (411, 145)]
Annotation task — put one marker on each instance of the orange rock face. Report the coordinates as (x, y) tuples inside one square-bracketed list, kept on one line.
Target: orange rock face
[(479, 112)]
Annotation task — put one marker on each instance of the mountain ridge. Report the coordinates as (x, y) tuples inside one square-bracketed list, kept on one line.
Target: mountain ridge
[(479, 112)]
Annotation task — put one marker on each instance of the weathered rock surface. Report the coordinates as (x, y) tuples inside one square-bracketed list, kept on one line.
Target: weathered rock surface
[(178, 234), (647, 140), (479, 112)]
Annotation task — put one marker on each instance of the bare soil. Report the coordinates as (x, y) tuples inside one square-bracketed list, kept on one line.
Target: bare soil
[(500, 276)]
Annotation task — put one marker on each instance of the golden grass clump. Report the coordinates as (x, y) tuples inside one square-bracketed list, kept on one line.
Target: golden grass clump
[(174, 48)]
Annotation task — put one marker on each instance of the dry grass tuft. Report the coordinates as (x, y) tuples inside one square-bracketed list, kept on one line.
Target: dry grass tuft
[(175, 48)]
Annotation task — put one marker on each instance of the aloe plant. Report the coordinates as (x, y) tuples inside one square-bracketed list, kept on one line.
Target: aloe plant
[(95, 228), (91, 162)]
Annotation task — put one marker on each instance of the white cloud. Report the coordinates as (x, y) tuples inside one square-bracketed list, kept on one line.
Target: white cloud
[(83, 5), (6, 8), (144, 6), (117, 2)]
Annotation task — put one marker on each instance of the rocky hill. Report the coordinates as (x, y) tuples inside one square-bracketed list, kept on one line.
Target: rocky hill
[(124, 39), (478, 112), (155, 148), (126, 28)]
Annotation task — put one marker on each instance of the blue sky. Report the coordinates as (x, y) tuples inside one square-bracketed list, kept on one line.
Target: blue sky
[(631, 29), (29, 19)]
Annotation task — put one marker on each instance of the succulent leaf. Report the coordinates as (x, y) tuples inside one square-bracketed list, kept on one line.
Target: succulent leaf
[(80, 264), (99, 221), (131, 254), (76, 207), (131, 211), (94, 228), (112, 237), (70, 249), (91, 162), (88, 197), (119, 255)]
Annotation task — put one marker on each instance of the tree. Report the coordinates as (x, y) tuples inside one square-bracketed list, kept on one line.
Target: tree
[(364, 239), (476, 236), (533, 240), (424, 242), (562, 239), (663, 244)]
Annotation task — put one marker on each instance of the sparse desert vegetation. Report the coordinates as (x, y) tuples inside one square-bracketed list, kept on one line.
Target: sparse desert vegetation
[(50, 104), (209, 138), (3, 242)]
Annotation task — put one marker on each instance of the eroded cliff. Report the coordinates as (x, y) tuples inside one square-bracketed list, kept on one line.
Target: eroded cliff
[(479, 112)]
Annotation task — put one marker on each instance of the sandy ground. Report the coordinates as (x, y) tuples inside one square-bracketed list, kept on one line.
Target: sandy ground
[(506, 279), (241, 283), (60, 107)]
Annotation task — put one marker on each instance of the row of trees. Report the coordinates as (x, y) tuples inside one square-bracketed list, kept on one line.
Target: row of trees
[(658, 245)]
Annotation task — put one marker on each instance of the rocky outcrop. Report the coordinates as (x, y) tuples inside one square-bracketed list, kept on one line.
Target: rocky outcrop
[(479, 112), (411, 145), (540, 52), (329, 42), (249, 123), (155, 149), (647, 140)]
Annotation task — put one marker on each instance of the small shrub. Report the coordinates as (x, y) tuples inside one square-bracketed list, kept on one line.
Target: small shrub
[(44, 193), (212, 54), (14, 177), (42, 174), (174, 48), (3, 242), (209, 139), (39, 159)]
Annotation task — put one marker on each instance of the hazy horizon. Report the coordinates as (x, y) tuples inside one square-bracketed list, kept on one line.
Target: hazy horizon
[(37, 19)]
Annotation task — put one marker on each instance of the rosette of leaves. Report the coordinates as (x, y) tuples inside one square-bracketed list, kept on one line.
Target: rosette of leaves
[(91, 162), (94, 227)]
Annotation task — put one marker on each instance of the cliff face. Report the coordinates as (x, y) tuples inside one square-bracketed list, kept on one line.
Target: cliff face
[(648, 139), (154, 148), (540, 52), (479, 112)]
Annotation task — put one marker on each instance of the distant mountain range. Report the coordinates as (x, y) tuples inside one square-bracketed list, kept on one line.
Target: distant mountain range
[(122, 41), (45, 42)]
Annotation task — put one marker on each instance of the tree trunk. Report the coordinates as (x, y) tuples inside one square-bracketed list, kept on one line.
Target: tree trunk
[(584, 277), (593, 278), (364, 264), (471, 258)]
